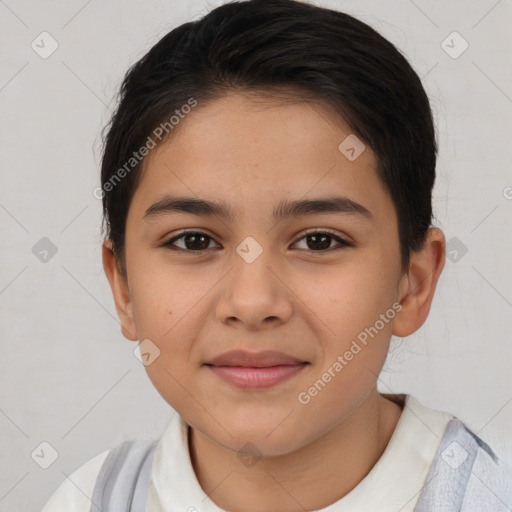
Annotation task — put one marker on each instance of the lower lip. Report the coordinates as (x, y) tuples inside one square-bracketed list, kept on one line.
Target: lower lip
[(249, 377)]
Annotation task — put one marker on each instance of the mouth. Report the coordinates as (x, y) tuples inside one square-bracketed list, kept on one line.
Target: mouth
[(255, 370)]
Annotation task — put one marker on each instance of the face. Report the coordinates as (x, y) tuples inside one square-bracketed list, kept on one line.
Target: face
[(312, 284)]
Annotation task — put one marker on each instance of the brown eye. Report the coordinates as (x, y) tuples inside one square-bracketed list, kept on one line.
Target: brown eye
[(193, 241), (318, 241)]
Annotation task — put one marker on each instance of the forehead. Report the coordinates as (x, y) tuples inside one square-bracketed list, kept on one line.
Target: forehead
[(240, 148)]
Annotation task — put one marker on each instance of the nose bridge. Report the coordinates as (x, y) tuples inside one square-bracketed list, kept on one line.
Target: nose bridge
[(253, 278), (250, 250)]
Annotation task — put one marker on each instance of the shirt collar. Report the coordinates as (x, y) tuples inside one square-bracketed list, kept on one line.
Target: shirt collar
[(393, 483)]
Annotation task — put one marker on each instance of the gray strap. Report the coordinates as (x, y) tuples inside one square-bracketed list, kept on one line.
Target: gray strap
[(447, 479), (115, 485), (140, 495)]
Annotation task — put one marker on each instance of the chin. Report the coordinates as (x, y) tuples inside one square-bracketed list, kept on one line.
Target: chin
[(259, 440)]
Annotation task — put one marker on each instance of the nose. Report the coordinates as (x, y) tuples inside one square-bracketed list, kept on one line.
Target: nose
[(254, 294)]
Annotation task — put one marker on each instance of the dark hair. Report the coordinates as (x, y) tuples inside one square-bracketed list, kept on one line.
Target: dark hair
[(283, 48)]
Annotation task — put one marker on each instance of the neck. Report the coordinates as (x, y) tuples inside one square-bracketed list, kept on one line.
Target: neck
[(311, 478)]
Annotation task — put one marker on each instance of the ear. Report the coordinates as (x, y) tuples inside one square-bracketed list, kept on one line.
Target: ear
[(418, 285), (120, 291)]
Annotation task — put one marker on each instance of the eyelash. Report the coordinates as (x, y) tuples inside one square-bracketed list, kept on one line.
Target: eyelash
[(342, 243)]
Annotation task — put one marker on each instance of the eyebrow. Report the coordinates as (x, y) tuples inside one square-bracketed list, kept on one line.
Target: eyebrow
[(285, 209)]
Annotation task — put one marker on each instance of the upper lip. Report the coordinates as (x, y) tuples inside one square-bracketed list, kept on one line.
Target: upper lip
[(261, 359)]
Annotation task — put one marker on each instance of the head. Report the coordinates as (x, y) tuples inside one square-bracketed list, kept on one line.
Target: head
[(258, 107)]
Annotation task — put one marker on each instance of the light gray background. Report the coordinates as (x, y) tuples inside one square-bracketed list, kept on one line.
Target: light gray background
[(69, 377)]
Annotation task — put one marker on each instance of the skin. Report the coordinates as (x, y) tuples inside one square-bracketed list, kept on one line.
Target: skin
[(295, 297)]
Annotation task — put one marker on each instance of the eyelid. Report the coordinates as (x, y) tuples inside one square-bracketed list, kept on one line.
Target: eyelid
[(342, 242), (183, 232), (314, 231)]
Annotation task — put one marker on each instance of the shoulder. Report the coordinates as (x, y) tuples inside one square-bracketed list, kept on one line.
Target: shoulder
[(75, 492), (466, 475), (489, 481)]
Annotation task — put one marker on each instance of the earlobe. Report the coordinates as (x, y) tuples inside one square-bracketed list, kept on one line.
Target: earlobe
[(418, 286), (120, 292)]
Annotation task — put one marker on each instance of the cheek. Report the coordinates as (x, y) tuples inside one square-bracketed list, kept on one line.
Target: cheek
[(164, 312), (352, 311), (153, 310), (355, 340), (160, 296), (348, 297), (168, 310)]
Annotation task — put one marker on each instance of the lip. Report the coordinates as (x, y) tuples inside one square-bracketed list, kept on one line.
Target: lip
[(254, 378), (261, 359), (255, 370)]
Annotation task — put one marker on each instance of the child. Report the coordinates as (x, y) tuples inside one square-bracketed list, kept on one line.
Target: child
[(266, 183)]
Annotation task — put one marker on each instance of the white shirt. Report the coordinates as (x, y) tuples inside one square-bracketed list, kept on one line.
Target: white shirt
[(393, 483)]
